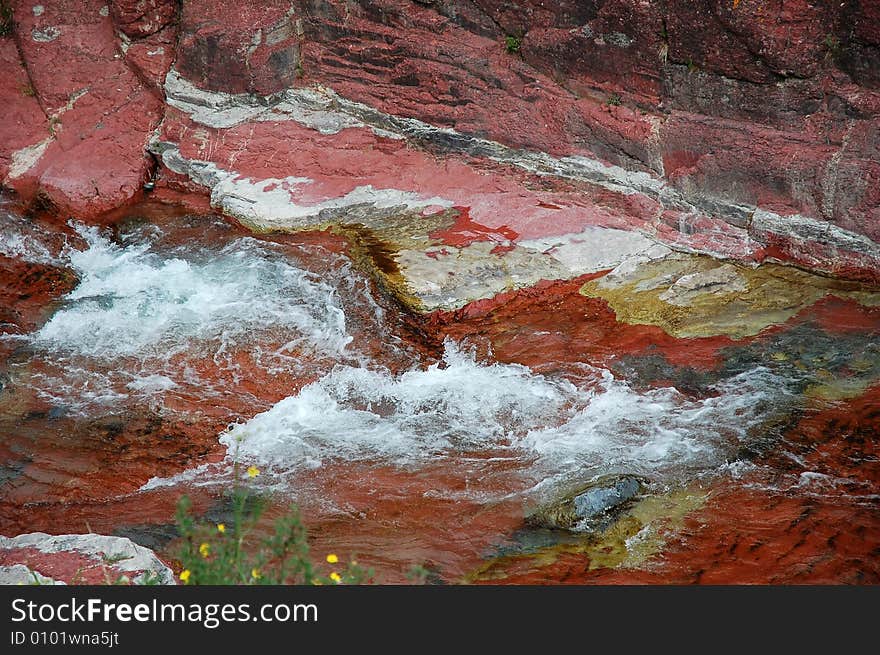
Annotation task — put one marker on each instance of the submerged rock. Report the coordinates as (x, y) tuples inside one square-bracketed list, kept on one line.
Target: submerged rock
[(630, 537), (588, 505)]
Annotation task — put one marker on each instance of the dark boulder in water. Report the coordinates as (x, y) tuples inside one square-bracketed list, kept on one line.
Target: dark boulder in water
[(588, 506)]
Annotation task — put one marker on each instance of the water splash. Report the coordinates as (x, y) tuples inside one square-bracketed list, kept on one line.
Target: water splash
[(135, 302), (144, 317), (459, 406), (22, 240)]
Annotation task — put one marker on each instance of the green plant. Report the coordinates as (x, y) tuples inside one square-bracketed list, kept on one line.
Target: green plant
[(6, 19), (614, 100), (115, 559), (36, 581), (149, 579), (418, 574), (28, 90), (217, 554), (512, 44), (832, 46)]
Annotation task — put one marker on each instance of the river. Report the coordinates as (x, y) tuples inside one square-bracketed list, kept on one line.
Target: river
[(141, 359)]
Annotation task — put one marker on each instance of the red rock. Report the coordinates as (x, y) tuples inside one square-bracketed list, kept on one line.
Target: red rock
[(520, 17), (24, 123), (151, 57), (551, 323), (611, 51), (745, 163), (856, 43), (782, 149), (101, 115), (498, 197), (26, 289), (753, 40), (769, 106), (230, 46), (72, 31), (742, 536), (464, 231), (140, 18), (461, 74), (851, 195)]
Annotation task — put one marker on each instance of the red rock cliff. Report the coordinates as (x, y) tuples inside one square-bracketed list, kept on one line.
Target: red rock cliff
[(747, 128)]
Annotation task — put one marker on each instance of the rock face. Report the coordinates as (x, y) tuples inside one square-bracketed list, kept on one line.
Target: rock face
[(84, 124), (692, 296), (240, 47), (480, 146), (39, 558)]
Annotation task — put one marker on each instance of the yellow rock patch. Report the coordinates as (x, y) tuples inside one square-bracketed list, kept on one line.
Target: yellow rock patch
[(697, 296), (639, 534)]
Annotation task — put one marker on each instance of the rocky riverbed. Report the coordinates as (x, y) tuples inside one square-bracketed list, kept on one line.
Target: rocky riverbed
[(508, 293)]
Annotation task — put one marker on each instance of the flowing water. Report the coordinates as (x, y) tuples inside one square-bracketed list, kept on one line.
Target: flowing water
[(181, 345)]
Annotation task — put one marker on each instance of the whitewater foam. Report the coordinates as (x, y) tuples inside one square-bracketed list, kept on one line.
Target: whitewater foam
[(145, 315), (21, 240), (132, 301), (459, 406)]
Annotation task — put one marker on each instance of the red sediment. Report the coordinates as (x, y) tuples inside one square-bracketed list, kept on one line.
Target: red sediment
[(26, 291), (95, 113), (100, 458), (24, 122), (743, 536), (838, 316), (839, 441), (144, 510), (466, 231), (499, 198), (393, 518), (552, 323)]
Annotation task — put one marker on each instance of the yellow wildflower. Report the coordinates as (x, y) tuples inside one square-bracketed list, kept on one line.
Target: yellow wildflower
[(221, 528), (205, 549), (184, 576), (255, 574), (336, 577), (253, 471), (332, 559)]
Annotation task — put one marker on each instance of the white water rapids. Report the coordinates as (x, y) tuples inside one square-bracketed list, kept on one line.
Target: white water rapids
[(143, 315)]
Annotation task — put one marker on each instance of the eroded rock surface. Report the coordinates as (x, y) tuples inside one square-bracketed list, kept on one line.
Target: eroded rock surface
[(40, 558), (678, 191), (752, 138)]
